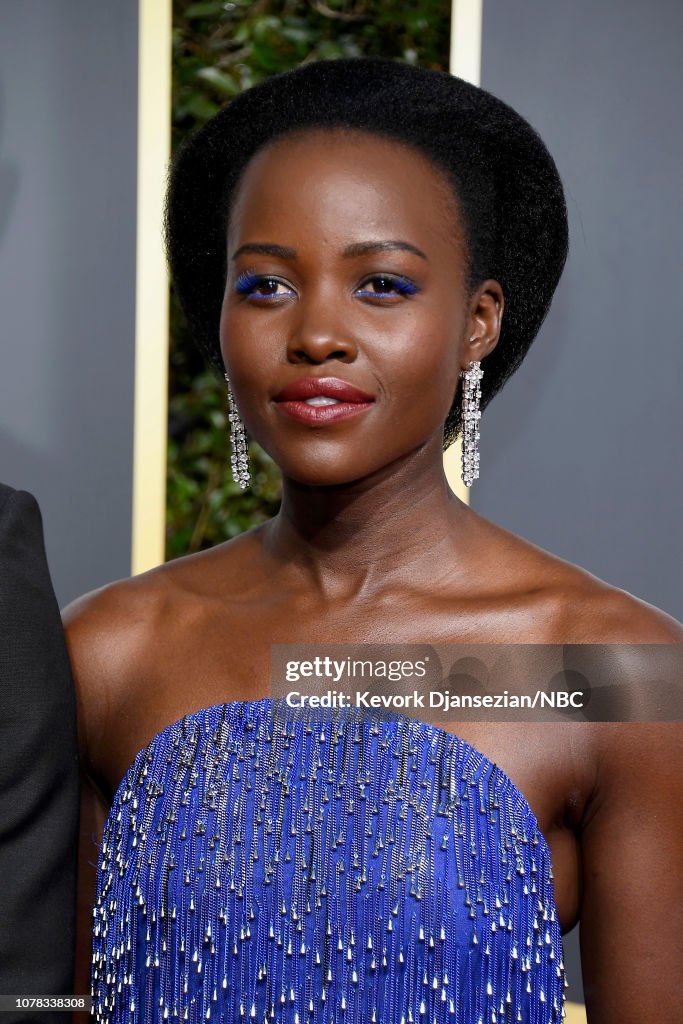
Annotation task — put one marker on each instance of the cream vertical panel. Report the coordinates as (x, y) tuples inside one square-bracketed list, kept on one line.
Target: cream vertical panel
[(465, 62), (151, 298), (465, 59), (576, 1014)]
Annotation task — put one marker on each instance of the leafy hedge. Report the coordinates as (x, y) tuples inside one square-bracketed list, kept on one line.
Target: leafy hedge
[(220, 49)]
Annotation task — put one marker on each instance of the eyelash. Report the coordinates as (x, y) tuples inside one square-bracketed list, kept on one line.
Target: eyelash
[(403, 285), (246, 283)]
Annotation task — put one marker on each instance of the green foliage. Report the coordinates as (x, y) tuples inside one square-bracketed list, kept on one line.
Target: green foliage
[(220, 49)]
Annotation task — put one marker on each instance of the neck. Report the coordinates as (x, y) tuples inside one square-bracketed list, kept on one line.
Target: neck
[(400, 526)]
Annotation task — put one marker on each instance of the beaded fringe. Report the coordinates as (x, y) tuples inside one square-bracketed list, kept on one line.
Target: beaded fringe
[(264, 866)]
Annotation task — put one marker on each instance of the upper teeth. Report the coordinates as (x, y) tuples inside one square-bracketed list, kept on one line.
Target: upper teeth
[(321, 400)]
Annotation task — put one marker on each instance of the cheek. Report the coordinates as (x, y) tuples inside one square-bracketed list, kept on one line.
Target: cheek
[(251, 349), (245, 344), (425, 371)]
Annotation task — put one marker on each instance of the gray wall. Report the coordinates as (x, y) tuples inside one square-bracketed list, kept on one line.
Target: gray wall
[(68, 122), (581, 451)]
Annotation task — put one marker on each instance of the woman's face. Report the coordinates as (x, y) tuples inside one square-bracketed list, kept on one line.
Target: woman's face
[(346, 267)]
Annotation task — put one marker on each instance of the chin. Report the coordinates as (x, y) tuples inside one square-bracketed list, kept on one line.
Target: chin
[(315, 478), (317, 465), (313, 473)]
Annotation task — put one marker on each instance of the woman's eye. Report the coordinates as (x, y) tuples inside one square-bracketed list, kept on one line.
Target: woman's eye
[(262, 287), (383, 285)]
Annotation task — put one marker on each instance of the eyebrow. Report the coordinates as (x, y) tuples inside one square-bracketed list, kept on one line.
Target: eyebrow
[(356, 249), (361, 248), (266, 249)]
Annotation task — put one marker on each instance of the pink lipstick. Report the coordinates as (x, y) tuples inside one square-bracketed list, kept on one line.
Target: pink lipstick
[(320, 400)]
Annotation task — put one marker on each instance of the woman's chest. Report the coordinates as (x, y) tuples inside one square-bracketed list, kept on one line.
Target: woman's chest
[(357, 852), (550, 766), (207, 658)]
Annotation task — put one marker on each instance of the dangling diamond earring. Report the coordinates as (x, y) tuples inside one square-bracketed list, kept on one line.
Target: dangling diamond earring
[(239, 456), (471, 414)]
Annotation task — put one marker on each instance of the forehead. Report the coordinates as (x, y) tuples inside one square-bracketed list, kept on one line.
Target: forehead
[(344, 179)]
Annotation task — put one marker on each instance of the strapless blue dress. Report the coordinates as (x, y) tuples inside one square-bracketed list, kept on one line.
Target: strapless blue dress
[(261, 864)]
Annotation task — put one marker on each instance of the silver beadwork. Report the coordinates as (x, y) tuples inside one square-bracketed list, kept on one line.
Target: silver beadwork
[(321, 834), (239, 455), (471, 414)]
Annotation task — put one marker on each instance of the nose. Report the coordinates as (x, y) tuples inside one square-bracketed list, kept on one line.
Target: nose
[(320, 333)]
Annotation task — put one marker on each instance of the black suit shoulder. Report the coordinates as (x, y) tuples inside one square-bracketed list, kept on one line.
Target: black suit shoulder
[(38, 766), (6, 493)]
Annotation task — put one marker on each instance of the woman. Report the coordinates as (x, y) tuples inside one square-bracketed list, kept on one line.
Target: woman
[(348, 240)]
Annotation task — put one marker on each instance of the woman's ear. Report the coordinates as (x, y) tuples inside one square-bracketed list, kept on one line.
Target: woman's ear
[(486, 317)]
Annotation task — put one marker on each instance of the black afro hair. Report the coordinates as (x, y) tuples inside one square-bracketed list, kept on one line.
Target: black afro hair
[(506, 183)]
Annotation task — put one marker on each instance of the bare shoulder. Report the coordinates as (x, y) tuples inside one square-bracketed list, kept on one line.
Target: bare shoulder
[(599, 613), (108, 626), (115, 625), (576, 605), (110, 635), (631, 651), (118, 635)]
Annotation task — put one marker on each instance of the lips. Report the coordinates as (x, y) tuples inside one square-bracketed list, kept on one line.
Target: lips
[(322, 400), (325, 387)]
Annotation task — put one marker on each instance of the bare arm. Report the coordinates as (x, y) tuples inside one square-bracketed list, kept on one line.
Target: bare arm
[(85, 652), (93, 815), (104, 633), (632, 846)]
